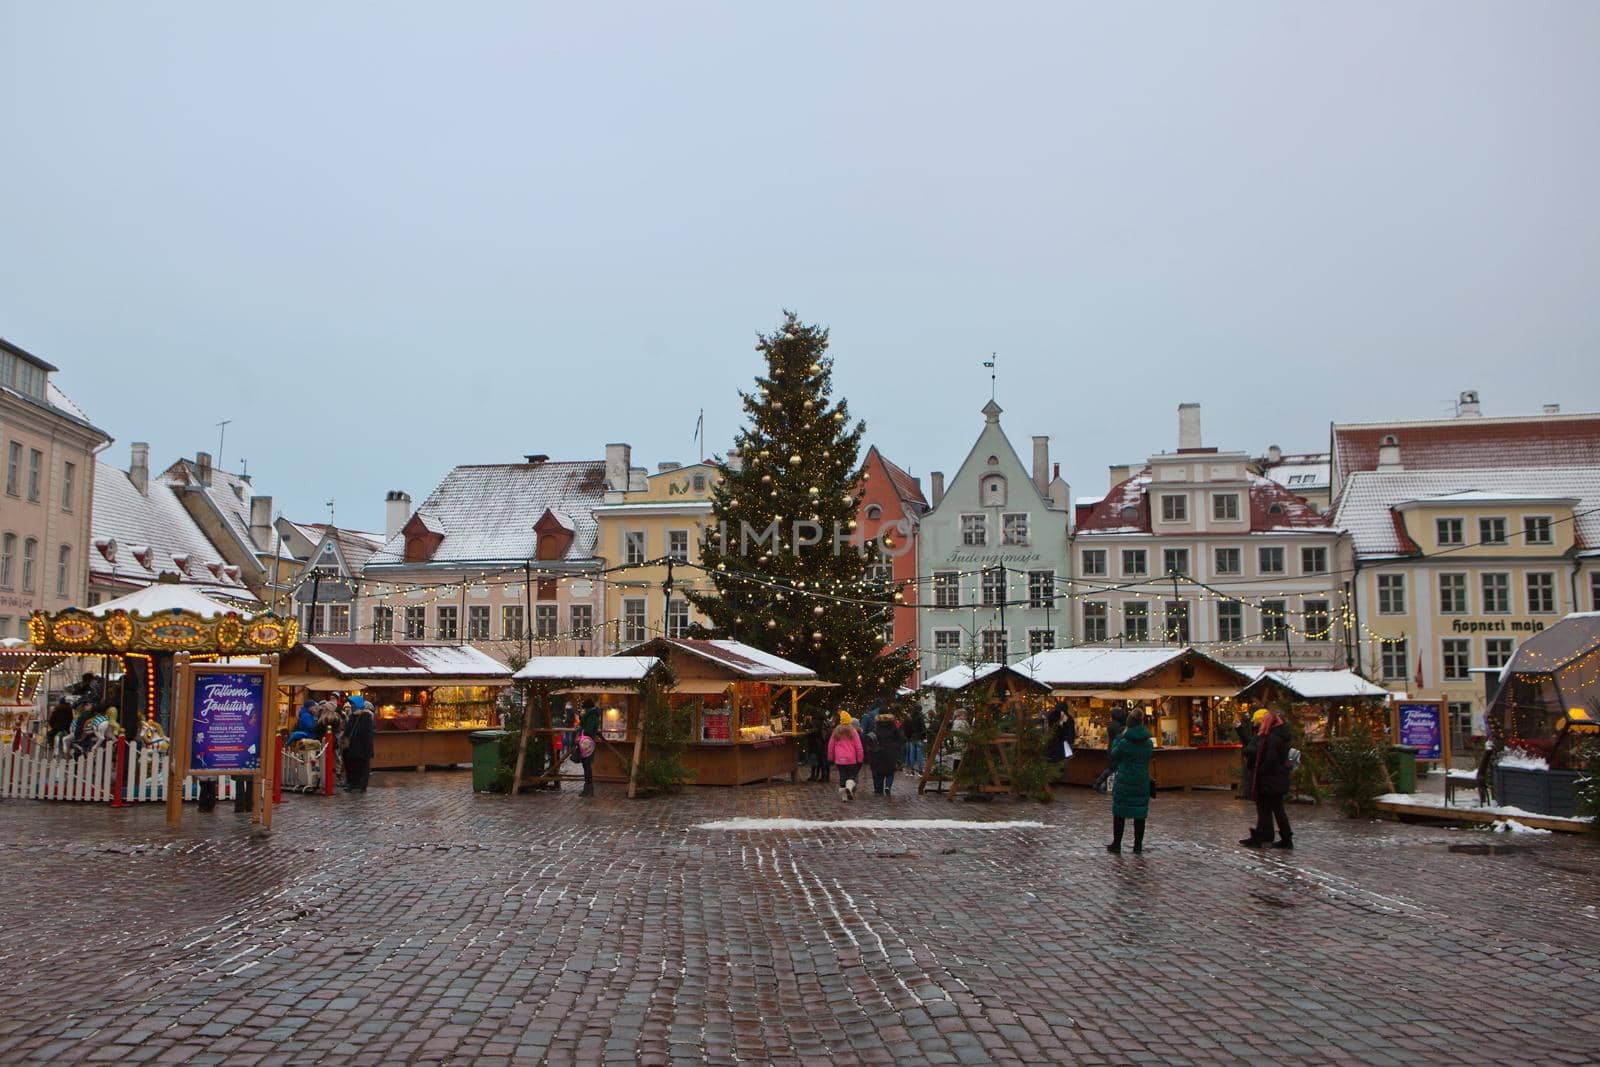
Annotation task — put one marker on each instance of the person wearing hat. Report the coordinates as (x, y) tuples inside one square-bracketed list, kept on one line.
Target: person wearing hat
[(1246, 730), (1270, 781), (846, 753), (358, 749)]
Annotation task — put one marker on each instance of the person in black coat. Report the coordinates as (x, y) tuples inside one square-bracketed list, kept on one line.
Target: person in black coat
[(358, 748), (1247, 738), (887, 754), (60, 723), (1063, 733), (1271, 783)]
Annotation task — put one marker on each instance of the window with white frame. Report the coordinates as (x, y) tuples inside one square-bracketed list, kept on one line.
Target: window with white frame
[(1135, 620), (1041, 640), (993, 586), (1230, 621), (1594, 591), (1041, 589), (1541, 593), (1393, 659), (633, 546), (1229, 561), (1274, 620), (886, 629), (1497, 652), (1225, 507), (69, 480), (581, 616), (14, 469), (946, 589), (1391, 594), (1174, 507), (1492, 531), (1135, 561), (677, 617), (35, 473), (1093, 563), (1313, 559), (339, 619), (992, 491), (446, 623), (678, 545), (1450, 531), (382, 623), (1270, 559), (1177, 630), (545, 621), (1175, 561), (8, 553), (946, 647), (1014, 528), (63, 570), (1095, 617), (1318, 620), (30, 557), (1496, 593), (993, 645), (974, 530), (1452, 594), (512, 620), (478, 622), (416, 622), (633, 620), (1538, 530), (1455, 654)]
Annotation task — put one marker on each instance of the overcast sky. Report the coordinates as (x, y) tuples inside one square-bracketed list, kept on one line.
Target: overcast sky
[(384, 239)]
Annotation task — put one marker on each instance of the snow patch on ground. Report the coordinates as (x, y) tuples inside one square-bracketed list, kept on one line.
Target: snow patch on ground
[(746, 823), (1434, 802), (1512, 826), (1517, 759)]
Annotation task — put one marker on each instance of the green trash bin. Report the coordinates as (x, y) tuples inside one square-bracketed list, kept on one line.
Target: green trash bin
[(485, 759), (1402, 763)]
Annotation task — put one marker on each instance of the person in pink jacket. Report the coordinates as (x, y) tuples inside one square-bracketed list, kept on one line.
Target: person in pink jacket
[(845, 752)]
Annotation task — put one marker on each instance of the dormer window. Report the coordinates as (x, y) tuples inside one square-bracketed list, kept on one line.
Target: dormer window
[(874, 511), (108, 549), (182, 563), (143, 555), (992, 490), (215, 569), (231, 572)]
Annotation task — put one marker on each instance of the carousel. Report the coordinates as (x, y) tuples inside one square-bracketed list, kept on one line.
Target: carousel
[(142, 632), (22, 670)]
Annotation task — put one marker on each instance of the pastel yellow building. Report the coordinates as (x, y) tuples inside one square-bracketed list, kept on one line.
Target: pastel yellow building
[(659, 520), (1455, 569)]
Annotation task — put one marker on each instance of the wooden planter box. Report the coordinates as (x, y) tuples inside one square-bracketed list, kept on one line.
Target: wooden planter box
[(1542, 792)]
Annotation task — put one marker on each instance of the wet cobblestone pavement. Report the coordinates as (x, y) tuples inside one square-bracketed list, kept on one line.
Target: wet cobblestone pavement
[(423, 924)]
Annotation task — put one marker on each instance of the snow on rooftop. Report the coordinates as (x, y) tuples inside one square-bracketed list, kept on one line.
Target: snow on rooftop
[(1067, 667), (353, 660), (167, 597), (961, 676), (1326, 684), (588, 668)]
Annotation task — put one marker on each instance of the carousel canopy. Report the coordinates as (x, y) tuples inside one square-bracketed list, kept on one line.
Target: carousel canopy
[(165, 617), (165, 597)]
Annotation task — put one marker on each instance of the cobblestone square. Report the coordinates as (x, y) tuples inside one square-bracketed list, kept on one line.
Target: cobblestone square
[(421, 923)]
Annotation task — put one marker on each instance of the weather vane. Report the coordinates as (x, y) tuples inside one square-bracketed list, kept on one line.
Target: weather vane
[(990, 362)]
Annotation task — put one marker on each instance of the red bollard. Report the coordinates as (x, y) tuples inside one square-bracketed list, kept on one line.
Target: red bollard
[(327, 765), (119, 781), (277, 775)]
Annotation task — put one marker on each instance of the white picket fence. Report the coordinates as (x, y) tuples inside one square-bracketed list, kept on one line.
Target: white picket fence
[(34, 773)]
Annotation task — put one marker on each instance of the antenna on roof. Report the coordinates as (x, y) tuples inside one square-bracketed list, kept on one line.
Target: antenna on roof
[(221, 437)]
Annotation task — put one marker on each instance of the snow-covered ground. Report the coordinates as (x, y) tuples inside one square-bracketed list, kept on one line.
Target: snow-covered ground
[(1435, 802)]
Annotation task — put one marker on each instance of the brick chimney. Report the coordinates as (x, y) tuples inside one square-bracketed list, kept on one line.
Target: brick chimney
[(1041, 464), (396, 510), (139, 467), (936, 484), (202, 467), (1389, 453), (619, 458), (261, 522), (1188, 426)]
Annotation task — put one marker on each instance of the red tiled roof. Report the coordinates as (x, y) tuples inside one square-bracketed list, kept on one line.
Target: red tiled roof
[(1538, 441), (905, 486), (1265, 495), (1408, 545)]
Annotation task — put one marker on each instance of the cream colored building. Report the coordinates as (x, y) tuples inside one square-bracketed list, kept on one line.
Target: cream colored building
[(47, 468), (659, 518)]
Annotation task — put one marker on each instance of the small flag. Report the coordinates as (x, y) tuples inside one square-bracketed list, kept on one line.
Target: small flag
[(700, 424), (1419, 671)]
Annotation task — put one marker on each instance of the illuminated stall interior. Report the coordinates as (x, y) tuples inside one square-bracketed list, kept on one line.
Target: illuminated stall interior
[(1325, 704), (1186, 695), (1552, 681), (426, 699), (22, 672)]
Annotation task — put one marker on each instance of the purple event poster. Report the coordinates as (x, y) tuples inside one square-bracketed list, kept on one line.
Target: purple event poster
[(1420, 728), (227, 722)]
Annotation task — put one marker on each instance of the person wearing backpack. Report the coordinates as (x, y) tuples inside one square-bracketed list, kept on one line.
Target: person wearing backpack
[(588, 742), (1271, 783)]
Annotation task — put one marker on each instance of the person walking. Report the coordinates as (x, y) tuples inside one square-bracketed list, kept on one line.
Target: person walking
[(915, 727), (1271, 783), (1130, 797), (588, 742), (845, 752), (817, 750), (1119, 723), (889, 755), (358, 748)]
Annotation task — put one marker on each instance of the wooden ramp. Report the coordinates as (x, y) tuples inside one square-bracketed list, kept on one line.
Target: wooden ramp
[(1411, 810)]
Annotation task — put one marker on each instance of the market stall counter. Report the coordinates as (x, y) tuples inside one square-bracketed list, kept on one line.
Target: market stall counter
[(1188, 702), (426, 699)]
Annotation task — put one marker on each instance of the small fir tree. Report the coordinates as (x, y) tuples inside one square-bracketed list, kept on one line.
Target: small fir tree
[(799, 464)]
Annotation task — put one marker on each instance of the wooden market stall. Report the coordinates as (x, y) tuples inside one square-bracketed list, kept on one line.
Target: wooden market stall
[(22, 670), (557, 687), (983, 683), (1325, 703), (1185, 695), (745, 707), (426, 699)]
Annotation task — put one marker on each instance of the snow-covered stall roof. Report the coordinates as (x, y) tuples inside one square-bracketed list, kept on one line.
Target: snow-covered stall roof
[(588, 668), (961, 676), (736, 657), (1108, 668), (1323, 684), (409, 663)]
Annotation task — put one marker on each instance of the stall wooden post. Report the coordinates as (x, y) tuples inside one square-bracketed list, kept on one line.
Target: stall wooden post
[(267, 780), (636, 724), (522, 744), (733, 735), (794, 731), (178, 743)]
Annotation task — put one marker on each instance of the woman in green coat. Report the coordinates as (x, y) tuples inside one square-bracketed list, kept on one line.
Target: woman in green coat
[(1130, 797)]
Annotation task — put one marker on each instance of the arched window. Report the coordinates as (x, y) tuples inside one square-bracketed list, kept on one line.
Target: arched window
[(874, 511)]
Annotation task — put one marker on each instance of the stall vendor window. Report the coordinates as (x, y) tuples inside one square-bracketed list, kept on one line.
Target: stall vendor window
[(716, 721), (613, 716), (460, 707), (760, 714)]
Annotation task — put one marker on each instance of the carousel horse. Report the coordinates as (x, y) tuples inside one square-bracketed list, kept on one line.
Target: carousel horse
[(151, 736)]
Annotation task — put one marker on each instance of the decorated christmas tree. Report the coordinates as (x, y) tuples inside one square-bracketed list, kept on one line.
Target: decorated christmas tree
[(790, 574)]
